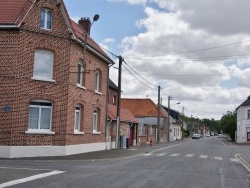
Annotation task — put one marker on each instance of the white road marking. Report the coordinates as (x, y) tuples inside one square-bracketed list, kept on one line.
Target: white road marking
[(234, 160), (189, 155), (160, 154), (218, 158), (31, 178), (174, 154), (203, 156), (147, 154)]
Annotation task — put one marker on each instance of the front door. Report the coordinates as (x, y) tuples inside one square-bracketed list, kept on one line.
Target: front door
[(248, 136)]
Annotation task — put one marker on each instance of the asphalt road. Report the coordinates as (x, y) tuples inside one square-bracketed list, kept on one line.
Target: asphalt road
[(205, 163)]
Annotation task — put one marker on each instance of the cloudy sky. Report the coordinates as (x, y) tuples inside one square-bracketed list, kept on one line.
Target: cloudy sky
[(197, 51)]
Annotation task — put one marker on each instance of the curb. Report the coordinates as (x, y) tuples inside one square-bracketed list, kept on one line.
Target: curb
[(242, 161)]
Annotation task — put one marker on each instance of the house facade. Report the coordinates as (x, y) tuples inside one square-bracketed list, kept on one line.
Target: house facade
[(146, 111), (53, 82), (243, 122), (175, 132), (128, 134)]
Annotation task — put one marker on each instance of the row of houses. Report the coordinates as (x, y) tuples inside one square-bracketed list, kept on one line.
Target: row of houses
[(56, 96)]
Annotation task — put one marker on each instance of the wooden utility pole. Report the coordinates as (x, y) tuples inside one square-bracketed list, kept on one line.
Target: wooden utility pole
[(119, 104), (169, 98), (158, 117)]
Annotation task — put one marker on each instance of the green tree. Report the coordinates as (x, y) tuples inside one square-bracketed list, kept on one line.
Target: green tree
[(229, 124)]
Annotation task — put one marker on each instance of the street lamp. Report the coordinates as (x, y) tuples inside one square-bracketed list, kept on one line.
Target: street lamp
[(95, 18)]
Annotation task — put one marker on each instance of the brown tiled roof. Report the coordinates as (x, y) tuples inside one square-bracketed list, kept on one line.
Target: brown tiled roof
[(80, 34), (12, 12), (142, 107), (125, 114)]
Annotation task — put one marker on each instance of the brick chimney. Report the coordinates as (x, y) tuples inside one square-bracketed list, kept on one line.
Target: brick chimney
[(85, 23)]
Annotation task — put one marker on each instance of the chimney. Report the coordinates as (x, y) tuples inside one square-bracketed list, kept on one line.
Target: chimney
[(85, 23)]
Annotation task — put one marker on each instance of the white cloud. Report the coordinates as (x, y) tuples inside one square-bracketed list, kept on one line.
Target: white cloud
[(133, 2), (109, 40), (194, 78)]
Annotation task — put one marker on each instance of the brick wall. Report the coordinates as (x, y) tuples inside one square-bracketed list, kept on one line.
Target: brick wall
[(112, 93), (18, 88)]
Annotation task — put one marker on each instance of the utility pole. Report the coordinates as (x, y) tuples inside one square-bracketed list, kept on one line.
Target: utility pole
[(119, 104), (158, 117), (169, 98), (182, 121)]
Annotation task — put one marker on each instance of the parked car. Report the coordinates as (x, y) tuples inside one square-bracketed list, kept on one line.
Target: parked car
[(208, 135), (220, 135), (196, 136)]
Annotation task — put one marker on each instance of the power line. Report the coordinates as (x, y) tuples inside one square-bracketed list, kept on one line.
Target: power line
[(138, 79), (139, 75), (241, 56), (198, 50)]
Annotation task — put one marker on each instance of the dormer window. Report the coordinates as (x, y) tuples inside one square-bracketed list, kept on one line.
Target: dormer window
[(46, 19)]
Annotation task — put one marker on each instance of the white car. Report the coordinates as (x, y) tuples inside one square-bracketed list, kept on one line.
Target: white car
[(208, 135), (220, 135)]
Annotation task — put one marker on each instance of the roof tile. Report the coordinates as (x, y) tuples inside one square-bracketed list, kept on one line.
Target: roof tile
[(12, 12), (125, 114), (142, 107)]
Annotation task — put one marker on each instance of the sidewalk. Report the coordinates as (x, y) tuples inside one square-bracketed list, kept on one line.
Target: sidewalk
[(109, 154), (244, 159)]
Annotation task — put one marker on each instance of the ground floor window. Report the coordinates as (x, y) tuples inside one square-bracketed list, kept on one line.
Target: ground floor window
[(142, 130), (40, 115), (248, 136), (77, 122), (151, 130), (96, 120)]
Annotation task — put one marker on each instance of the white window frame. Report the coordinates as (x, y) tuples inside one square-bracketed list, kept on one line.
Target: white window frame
[(40, 130), (114, 99), (47, 14), (97, 81), (142, 130), (151, 130), (96, 121), (77, 127), (38, 63), (80, 74)]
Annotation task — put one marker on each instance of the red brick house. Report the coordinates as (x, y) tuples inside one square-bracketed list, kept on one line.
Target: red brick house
[(128, 123), (54, 80), (146, 111)]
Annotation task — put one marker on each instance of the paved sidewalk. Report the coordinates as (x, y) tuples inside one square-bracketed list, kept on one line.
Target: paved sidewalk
[(244, 158), (109, 154)]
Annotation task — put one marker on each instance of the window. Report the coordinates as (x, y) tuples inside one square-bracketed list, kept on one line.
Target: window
[(97, 81), (248, 114), (46, 19), (142, 130), (77, 118), (43, 65), (114, 100), (40, 113), (80, 74), (96, 121), (151, 130)]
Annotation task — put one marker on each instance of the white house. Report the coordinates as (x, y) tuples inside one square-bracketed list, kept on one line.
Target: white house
[(243, 122), (175, 132)]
